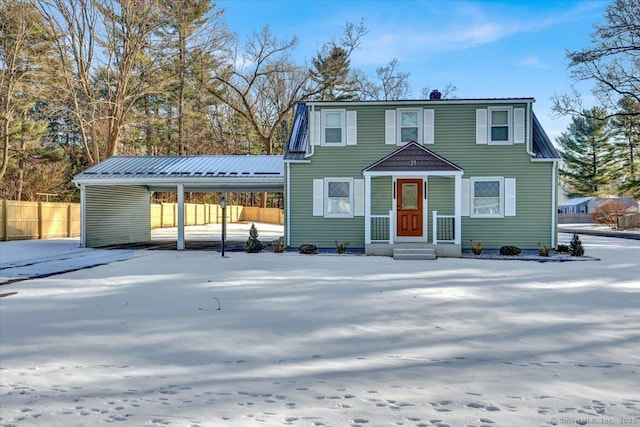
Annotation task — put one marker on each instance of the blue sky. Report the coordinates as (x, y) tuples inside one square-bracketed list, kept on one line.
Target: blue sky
[(488, 49)]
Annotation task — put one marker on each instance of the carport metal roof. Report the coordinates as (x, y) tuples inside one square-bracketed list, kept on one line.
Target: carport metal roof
[(196, 173)]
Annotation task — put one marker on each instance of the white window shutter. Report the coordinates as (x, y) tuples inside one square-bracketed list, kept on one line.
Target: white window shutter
[(518, 126), (429, 126), (465, 197), (390, 127), (509, 197), (318, 197), (352, 127), (481, 126), (358, 197), (316, 127)]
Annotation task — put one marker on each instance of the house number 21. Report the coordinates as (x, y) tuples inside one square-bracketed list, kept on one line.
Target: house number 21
[(413, 162)]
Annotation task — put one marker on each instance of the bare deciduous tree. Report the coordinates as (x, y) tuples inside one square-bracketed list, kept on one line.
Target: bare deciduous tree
[(612, 62), (74, 26), (389, 83), (25, 75), (130, 70)]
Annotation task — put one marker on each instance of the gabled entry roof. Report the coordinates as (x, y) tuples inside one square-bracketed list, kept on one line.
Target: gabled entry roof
[(196, 173), (413, 157)]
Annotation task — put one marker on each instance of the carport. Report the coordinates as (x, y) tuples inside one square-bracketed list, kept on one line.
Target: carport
[(115, 194)]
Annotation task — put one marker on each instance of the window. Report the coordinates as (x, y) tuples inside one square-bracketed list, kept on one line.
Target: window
[(339, 197), (333, 126), (499, 125), (410, 125), (487, 197)]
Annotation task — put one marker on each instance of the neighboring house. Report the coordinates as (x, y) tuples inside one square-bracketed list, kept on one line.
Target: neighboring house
[(578, 205), (432, 173), (588, 205)]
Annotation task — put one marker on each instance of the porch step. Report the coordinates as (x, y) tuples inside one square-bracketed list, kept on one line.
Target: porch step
[(414, 253)]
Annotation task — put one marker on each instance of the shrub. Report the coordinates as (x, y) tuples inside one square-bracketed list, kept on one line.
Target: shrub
[(544, 250), (308, 249), (576, 248), (510, 250), (280, 246), (608, 213), (253, 245), (563, 249), (342, 247), (476, 248)]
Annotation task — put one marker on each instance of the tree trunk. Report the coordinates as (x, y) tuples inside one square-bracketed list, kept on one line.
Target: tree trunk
[(20, 182), (181, 83), (5, 148)]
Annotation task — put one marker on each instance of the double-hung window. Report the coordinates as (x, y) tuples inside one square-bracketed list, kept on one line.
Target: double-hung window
[(487, 200), (339, 197), (333, 127), (410, 125), (500, 125)]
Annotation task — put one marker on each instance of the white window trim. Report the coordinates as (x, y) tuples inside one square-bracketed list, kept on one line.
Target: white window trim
[(509, 111), (472, 196), (343, 127), (326, 198), (419, 114)]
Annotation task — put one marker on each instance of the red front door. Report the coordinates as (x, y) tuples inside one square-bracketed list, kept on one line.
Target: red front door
[(409, 207)]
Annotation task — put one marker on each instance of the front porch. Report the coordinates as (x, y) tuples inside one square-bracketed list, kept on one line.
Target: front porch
[(413, 201), (443, 238)]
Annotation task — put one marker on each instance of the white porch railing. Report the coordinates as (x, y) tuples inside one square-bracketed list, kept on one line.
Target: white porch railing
[(444, 229), (381, 228)]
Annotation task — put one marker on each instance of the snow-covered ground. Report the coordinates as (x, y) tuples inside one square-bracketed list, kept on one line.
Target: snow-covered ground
[(168, 338)]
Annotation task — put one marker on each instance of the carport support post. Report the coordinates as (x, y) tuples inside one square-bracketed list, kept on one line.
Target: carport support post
[(223, 205), (181, 217)]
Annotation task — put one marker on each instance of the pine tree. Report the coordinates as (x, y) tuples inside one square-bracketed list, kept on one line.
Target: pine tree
[(253, 245), (331, 71), (576, 248), (589, 165), (626, 127)]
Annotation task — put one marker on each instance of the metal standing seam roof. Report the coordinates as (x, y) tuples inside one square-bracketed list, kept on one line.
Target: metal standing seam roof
[(542, 145), (296, 149), (206, 172)]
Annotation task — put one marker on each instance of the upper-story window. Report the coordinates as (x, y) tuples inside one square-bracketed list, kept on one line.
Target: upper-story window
[(500, 125), (333, 127), (409, 127)]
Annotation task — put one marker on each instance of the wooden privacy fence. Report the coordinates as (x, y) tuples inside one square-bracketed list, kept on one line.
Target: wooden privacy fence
[(166, 214), (629, 221), (575, 218), (50, 220), (38, 220)]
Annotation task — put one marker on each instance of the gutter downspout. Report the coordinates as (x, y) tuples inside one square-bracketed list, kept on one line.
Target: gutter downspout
[(287, 220), (83, 214), (554, 209)]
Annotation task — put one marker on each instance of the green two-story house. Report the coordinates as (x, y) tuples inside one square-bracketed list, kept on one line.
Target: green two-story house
[(435, 173)]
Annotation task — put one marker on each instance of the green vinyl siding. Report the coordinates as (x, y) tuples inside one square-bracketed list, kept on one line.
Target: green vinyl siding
[(116, 215), (440, 197), (455, 140), (381, 195), (531, 225)]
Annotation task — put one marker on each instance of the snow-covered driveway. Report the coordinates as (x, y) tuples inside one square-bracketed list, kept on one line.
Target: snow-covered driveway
[(191, 339)]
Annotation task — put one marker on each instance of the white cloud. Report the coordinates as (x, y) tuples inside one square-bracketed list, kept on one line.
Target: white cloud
[(533, 62), (435, 29)]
